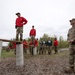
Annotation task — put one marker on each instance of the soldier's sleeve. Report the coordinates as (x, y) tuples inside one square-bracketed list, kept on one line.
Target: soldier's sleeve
[(74, 35), (24, 20), (68, 35)]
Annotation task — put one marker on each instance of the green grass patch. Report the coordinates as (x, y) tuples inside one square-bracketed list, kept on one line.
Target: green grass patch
[(53, 56), (7, 54), (11, 54)]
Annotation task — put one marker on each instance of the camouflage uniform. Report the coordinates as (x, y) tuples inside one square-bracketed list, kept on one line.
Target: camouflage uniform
[(71, 36), (19, 30), (71, 40)]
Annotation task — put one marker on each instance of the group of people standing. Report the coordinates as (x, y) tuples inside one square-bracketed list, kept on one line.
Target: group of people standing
[(34, 43), (21, 21), (46, 46), (31, 46), (41, 46)]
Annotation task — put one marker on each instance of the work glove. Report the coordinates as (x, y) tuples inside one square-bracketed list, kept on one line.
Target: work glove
[(16, 27)]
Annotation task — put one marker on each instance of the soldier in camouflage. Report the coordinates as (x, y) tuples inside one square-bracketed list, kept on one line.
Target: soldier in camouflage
[(71, 40)]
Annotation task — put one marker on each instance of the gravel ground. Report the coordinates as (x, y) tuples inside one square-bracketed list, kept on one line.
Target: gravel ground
[(35, 65)]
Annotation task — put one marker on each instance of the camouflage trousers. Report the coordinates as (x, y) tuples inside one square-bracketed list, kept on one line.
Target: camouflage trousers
[(71, 55), (49, 49), (19, 30), (33, 38), (31, 50), (40, 50), (44, 49)]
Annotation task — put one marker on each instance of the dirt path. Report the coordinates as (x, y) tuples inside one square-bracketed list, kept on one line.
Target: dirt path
[(36, 65)]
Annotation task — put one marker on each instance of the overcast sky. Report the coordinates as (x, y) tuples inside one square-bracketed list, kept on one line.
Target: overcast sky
[(48, 16)]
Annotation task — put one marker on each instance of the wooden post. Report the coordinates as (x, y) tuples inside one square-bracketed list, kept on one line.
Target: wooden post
[(0, 49), (19, 55)]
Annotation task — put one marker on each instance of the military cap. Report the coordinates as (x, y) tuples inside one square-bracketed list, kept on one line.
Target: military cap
[(17, 13), (72, 20)]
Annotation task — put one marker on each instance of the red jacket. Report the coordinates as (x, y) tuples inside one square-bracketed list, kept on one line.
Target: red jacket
[(35, 43), (20, 21), (14, 44), (55, 43), (25, 44), (32, 32)]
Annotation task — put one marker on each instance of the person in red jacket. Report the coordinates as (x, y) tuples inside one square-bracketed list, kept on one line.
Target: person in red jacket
[(25, 46), (32, 33), (14, 47), (20, 22), (33, 45), (56, 45)]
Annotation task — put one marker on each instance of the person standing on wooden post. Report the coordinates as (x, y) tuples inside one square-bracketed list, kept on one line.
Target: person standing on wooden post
[(20, 22), (32, 34), (25, 46)]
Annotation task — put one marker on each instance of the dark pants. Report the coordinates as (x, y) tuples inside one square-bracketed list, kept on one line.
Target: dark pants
[(31, 50), (25, 50), (41, 50), (55, 48), (72, 55)]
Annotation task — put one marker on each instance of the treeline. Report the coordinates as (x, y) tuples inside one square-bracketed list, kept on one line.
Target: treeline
[(61, 42)]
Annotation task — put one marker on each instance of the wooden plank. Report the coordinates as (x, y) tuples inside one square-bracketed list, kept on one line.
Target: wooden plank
[(17, 42), (5, 40)]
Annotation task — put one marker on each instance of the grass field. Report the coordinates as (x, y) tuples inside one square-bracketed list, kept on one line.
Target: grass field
[(11, 54), (7, 54)]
